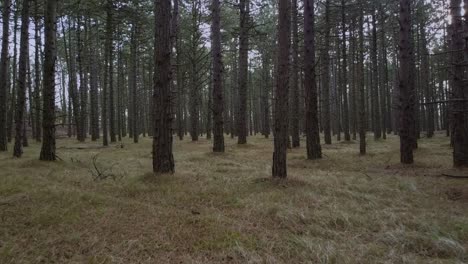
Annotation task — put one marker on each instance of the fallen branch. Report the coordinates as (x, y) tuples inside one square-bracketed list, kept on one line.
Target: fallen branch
[(455, 176)]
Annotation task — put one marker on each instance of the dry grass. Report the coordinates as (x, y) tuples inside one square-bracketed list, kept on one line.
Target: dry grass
[(224, 208)]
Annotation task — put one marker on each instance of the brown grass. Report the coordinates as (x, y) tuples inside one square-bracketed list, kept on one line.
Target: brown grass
[(225, 208)]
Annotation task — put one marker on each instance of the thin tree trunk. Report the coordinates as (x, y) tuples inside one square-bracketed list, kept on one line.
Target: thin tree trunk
[(362, 98), (243, 70), (295, 78), (345, 74), (22, 71), (325, 60)]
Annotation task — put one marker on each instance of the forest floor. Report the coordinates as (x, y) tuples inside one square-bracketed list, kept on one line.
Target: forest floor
[(225, 208)]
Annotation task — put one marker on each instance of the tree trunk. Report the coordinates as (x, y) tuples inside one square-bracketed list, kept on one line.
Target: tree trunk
[(94, 93), (295, 78), (218, 97), (362, 98), (243, 70), (22, 71), (48, 113), (459, 122), (325, 60), (4, 75), (375, 83), (405, 89), (314, 150), (282, 91), (163, 159), (345, 74), (37, 74)]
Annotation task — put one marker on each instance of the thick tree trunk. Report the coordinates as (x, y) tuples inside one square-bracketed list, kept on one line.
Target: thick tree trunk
[(459, 95), (22, 73), (405, 89), (282, 91), (314, 150), (48, 113), (163, 159), (218, 97), (4, 75)]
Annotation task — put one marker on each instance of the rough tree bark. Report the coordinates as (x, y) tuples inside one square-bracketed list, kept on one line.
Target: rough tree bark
[(314, 150), (4, 74), (218, 98), (282, 91), (163, 159), (459, 122), (405, 89), (48, 112)]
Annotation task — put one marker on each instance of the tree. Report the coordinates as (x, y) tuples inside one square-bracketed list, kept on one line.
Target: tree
[(326, 76), (459, 109), (243, 70), (314, 150), (218, 102), (48, 113), (3, 75), (163, 159), (282, 91), (22, 73), (295, 78), (345, 73), (405, 89), (360, 76)]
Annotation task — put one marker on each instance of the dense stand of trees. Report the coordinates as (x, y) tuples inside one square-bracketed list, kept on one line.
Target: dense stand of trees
[(115, 69)]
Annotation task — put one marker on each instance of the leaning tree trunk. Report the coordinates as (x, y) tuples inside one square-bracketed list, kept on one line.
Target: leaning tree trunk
[(218, 100), (48, 112), (4, 75), (314, 150), (405, 89), (282, 92), (22, 73), (163, 159)]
